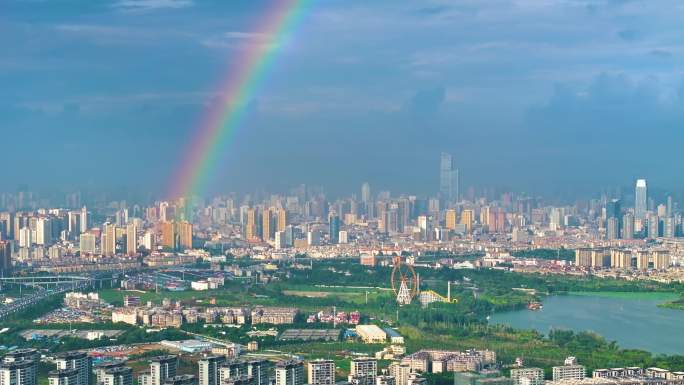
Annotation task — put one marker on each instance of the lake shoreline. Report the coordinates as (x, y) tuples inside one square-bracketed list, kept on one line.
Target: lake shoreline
[(635, 320)]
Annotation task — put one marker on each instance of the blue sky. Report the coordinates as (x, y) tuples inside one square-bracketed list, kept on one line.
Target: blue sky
[(540, 96)]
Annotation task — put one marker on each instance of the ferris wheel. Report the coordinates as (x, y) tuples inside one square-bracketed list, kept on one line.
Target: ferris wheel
[(404, 281)]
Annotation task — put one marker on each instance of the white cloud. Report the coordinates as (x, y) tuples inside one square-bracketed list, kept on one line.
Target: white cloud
[(240, 39), (147, 5)]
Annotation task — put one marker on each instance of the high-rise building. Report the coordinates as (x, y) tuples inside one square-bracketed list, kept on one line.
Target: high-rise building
[(118, 376), (209, 369), (613, 209), (334, 229), (257, 370), (184, 235), (313, 238), (74, 218), (149, 241), (18, 355), (628, 226), (451, 219), (5, 258), (84, 219), (280, 243), (250, 226), (131, 239), (321, 372), (400, 372), (18, 373), (161, 368), (79, 361), (25, 237), (289, 373), (612, 228), (363, 371), (231, 370), (282, 219), (108, 243), (366, 193), (177, 235), (653, 226), (63, 377), (43, 231), (467, 219), (87, 243), (102, 367), (640, 199), (167, 234), (448, 178), (268, 230), (344, 236)]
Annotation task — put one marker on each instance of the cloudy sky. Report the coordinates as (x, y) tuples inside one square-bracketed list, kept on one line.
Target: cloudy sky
[(536, 95)]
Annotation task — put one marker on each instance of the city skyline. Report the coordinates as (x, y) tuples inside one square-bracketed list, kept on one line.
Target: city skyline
[(341, 192)]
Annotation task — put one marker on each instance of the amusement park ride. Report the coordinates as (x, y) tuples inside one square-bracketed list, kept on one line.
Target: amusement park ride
[(406, 286), (405, 282)]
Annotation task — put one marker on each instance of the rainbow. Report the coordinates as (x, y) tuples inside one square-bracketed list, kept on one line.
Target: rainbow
[(217, 128)]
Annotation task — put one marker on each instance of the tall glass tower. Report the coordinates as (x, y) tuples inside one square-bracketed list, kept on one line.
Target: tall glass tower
[(641, 199), (448, 178)]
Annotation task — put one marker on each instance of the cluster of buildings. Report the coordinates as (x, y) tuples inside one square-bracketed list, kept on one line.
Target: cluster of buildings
[(470, 367), (78, 307), (173, 314), (34, 236), (623, 258), (439, 361), (73, 368), (572, 373), (339, 317), (276, 226)]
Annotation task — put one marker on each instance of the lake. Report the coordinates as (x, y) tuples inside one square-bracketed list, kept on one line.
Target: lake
[(633, 320)]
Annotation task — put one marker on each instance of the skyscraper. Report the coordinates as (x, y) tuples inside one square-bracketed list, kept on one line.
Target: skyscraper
[(267, 225), (84, 219), (628, 226), (282, 219), (365, 193), (451, 219), (613, 219), (5, 258), (108, 243), (177, 235), (334, 229), (251, 227), (448, 178), (640, 199), (131, 239), (87, 243)]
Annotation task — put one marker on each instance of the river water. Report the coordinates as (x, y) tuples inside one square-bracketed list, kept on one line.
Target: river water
[(633, 321)]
